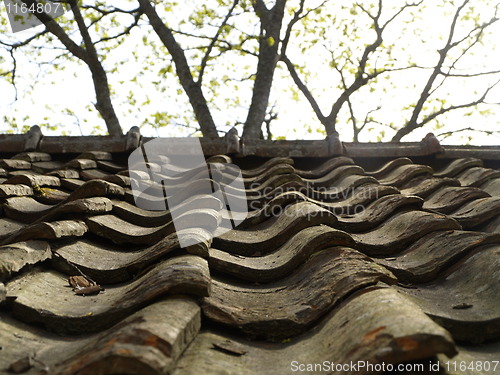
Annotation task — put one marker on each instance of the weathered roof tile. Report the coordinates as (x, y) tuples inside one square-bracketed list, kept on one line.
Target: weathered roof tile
[(293, 270), (424, 259), (465, 299), (281, 261), (400, 230), (361, 329), (16, 256), (303, 297), (33, 156), (44, 297), (8, 190)]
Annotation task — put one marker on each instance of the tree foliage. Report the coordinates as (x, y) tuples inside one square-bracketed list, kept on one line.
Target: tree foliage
[(209, 65)]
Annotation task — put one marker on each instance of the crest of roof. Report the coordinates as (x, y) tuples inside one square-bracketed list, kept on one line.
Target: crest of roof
[(364, 255)]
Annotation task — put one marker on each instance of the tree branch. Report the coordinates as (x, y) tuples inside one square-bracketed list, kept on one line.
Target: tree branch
[(459, 106), (428, 90), (361, 77), (127, 30), (303, 88), (296, 18), (451, 132), (204, 61), (99, 76), (260, 9), (192, 89), (55, 29)]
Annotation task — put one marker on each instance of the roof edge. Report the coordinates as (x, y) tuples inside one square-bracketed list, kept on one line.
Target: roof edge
[(34, 140)]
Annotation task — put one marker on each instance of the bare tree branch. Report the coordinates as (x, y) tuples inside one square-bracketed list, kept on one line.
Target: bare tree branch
[(55, 29), (367, 119), (192, 89), (99, 76), (470, 75), (14, 70), (271, 116), (303, 88), (459, 106), (204, 61), (89, 56), (428, 89), (451, 132), (361, 78), (296, 18), (349, 104)]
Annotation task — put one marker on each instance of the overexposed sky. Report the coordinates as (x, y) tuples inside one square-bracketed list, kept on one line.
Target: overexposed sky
[(43, 96)]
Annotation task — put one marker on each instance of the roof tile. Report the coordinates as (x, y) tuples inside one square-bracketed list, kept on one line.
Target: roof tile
[(310, 267)]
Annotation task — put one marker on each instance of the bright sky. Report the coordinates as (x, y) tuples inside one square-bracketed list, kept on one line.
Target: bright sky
[(46, 96)]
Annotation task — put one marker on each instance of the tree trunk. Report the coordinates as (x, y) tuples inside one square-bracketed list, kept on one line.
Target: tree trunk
[(261, 91), (271, 21), (103, 97)]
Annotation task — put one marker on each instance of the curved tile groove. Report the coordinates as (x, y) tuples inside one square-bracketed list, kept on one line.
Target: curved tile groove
[(289, 306), (15, 164), (146, 218), (15, 191), (457, 166), (279, 169), (48, 230), (8, 227), (423, 186), (402, 174), (477, 212), (96, 188), (29, 210), (400, 230), (272, 233), (492, 187), (44, 296), (34, 180), (342, 190), (148, 342), (388, 167), (265, 166), (324, 168), (112, 265), (378, 211), (448, 199), (25, 209), (281, 262), (477, 176), (465, 299), (358, 198), (492, 226), (153, 198), (33, 156), (123, 232), (93, 174), (424, 259), (335, 175), (268, 186)]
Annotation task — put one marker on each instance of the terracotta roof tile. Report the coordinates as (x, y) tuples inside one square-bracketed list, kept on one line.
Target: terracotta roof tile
[(364, 256)]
